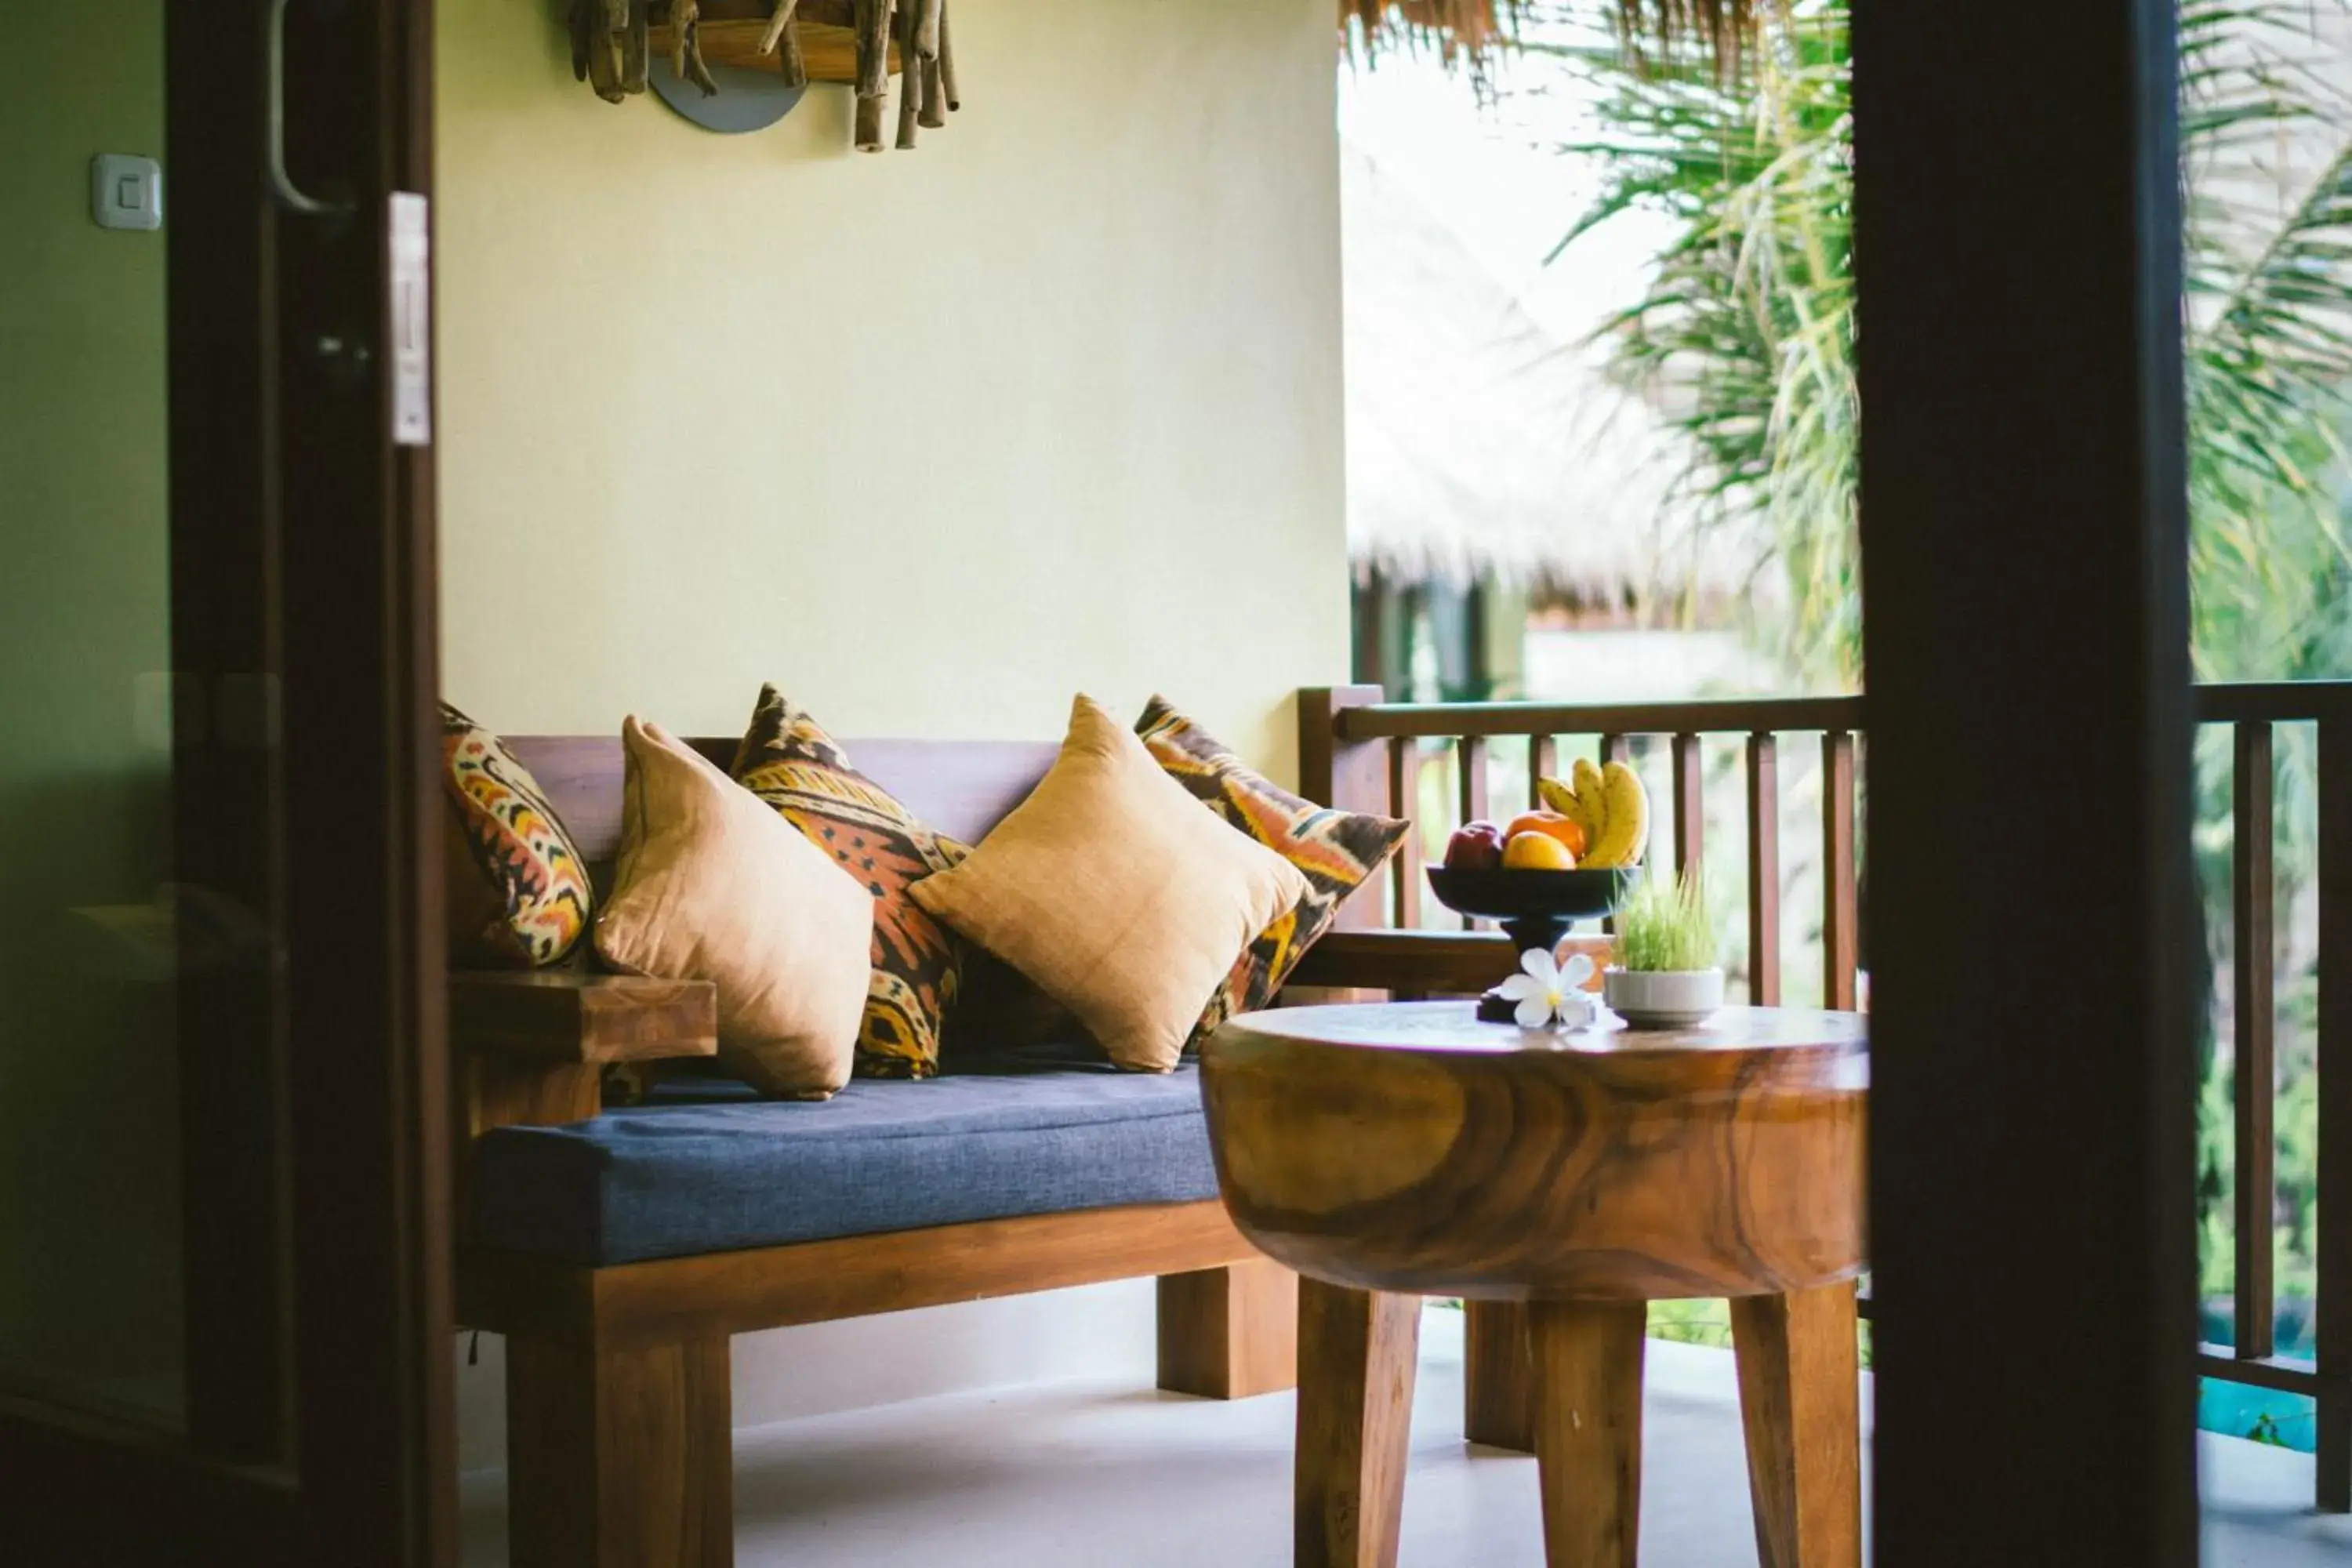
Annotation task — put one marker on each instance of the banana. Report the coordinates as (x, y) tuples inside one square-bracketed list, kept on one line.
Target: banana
[(1557, 796), (1579, 801), (1592, 805), (1625, 828)]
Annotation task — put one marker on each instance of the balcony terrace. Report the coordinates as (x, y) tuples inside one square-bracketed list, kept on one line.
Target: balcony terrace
[(1092, 1474)]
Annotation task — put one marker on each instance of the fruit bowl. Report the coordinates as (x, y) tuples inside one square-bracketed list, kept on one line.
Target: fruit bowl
[(1536, 908), (1512, 895)]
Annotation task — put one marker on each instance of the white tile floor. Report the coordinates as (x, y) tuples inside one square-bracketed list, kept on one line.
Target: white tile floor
[(1085, 1475)]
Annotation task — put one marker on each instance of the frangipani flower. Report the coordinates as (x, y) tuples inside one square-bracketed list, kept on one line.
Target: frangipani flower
[(1545, 991)]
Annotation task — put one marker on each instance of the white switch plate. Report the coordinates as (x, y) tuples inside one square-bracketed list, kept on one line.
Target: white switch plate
[(126, 192)]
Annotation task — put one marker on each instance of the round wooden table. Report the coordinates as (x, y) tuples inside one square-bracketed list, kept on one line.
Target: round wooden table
[(1558, 1183)]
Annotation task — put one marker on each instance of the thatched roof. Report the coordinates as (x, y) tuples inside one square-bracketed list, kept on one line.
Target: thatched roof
[(1480, 444), (1471, 32)]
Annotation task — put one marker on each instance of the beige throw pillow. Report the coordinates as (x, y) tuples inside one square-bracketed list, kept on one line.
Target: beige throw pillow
[(713, 885), (1115, 893)]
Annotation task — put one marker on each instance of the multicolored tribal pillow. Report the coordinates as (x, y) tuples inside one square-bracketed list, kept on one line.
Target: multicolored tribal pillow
[(1337, 850), (788, 761), (527, 900)]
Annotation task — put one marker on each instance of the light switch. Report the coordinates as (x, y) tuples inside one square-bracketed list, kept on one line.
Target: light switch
[(126, 192)]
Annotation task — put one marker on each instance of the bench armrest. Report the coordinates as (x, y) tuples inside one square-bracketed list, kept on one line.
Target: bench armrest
[(1422, 962), (529, 1048), (571, 1019)]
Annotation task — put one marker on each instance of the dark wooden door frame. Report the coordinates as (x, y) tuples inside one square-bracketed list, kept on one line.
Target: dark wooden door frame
[(2033, 945), (321, 1421)]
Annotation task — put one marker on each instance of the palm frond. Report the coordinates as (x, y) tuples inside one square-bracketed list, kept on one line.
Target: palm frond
[(1747, 329)]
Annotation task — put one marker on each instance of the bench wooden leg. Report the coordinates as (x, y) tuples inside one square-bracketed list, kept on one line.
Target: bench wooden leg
[(1587, 1361), (1799, 1400), (1229, 1334), (619, 1458), (1355, 1417), (1497, 1377)]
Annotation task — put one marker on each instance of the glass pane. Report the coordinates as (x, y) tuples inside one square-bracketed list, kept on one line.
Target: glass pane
[(2267, 166), (91, 1299)]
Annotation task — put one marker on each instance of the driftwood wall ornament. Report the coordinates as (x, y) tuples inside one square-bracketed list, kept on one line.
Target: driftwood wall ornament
[(858, 43), (873, 71), (910, 75), (781, 35), (686, 46), (946, 62), (929, 30), (636, 48)]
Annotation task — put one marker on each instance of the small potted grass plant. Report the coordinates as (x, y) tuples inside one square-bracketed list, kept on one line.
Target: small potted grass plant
[(1665, 975)]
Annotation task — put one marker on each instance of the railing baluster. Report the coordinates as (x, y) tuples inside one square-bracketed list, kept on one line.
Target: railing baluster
[(2333, 1330), (1690, 807), (2251, 905), (1470, 769), (1404, 867), (1543, 761), (1614, 749), (1763, 871), (1840, 922), (2328, 1376)]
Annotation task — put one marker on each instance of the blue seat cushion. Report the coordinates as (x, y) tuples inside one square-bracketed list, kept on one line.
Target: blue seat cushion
[(707, 1166)]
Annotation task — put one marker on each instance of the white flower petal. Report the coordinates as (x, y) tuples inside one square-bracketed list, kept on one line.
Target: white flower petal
[(1577, 971), (1534, 1013), (1520, 987), (1578, 1010), (1538, 963)]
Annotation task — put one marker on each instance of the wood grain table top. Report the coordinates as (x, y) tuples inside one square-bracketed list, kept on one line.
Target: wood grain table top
[(1453, 1026), (1410, 1147)]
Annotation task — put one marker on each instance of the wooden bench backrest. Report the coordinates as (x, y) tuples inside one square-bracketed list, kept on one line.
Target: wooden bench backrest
[(960, 788)]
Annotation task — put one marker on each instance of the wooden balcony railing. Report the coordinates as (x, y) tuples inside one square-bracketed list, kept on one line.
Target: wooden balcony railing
[(1361, 754)]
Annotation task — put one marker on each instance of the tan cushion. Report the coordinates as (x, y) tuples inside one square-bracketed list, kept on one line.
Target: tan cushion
[(713, 885), (1112, 890)]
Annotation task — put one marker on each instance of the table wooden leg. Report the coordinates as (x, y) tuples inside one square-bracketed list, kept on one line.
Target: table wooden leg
[(1588, 1369), (1497, 1377), (1357, 1351), (1799, 1398)]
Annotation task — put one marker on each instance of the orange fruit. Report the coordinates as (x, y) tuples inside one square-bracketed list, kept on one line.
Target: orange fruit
[(1564, 828), (1537, 851)]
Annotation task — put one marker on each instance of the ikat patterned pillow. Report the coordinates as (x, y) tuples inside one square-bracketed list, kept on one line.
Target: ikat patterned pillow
[(1336, 850), (528, 900), (789, 761)]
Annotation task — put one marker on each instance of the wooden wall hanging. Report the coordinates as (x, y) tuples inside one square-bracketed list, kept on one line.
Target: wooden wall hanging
[(859, 43)]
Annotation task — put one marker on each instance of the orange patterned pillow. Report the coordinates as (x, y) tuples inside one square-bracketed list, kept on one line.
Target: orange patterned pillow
[(788, 761), (1337, 850), (527, 901)]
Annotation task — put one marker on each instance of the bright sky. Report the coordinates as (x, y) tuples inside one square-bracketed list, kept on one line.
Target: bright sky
[(1489, 174)]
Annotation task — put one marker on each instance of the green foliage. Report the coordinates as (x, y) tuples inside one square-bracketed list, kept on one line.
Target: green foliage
[(1698, 1321), (1666, 925), (2268, 340), (1746, 331), (1746, 336)]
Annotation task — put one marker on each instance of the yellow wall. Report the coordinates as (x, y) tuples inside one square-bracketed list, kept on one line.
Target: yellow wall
[(88, 1119), (931, 439)]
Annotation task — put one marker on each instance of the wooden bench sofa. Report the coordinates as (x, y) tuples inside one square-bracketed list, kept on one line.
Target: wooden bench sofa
[(617, 1251)]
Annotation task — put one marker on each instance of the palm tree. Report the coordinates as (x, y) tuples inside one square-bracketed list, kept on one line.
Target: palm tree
[(1746, 333)]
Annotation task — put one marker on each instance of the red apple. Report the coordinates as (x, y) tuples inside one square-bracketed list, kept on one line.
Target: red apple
[(1475, 846)]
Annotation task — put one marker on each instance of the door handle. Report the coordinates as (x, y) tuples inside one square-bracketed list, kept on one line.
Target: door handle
[(281, 185)]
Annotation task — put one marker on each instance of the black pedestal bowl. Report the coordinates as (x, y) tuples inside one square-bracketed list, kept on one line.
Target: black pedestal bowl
[(1535, 908)]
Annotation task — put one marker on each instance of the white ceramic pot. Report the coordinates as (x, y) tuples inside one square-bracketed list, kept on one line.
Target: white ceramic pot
[(1662, 998)]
